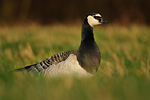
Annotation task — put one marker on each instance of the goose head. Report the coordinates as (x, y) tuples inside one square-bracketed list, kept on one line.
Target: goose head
[(95, 19)]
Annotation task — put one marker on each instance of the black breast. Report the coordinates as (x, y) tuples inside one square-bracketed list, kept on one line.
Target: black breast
[(89, 56)]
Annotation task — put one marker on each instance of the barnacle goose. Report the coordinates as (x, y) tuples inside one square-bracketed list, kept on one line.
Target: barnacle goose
[(82, 62)]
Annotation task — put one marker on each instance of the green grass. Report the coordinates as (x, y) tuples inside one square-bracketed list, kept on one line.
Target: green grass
[(124, 73)]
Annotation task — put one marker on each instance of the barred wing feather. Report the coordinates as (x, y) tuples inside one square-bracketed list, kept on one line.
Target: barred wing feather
[(55, 59)]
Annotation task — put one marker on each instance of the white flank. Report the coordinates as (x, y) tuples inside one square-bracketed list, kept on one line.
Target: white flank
[(68, 67)]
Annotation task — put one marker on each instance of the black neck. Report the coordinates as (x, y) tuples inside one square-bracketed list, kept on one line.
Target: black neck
[(88, 54), (87, 32)]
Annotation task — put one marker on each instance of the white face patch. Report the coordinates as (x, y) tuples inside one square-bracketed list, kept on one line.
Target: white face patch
[(98, 15), (92, 21)]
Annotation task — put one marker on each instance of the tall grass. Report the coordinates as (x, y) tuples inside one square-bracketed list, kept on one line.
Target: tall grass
[(124, 73)]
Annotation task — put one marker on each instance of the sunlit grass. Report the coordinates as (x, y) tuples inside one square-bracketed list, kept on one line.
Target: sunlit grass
[(124, 72)]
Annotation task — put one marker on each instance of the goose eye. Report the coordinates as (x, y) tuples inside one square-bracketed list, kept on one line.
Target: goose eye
[(97, 17)]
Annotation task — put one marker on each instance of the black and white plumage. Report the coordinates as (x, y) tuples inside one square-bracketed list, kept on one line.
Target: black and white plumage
[(84, 61)]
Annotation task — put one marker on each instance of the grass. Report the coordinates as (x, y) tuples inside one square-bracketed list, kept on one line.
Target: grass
[(124, 73)]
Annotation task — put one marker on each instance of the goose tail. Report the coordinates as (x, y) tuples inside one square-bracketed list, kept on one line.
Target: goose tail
[(35, 68)]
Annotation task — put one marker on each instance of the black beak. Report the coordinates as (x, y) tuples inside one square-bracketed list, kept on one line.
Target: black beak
[(104, 21)]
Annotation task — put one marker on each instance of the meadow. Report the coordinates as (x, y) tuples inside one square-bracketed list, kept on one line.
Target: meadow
[(124, 73)]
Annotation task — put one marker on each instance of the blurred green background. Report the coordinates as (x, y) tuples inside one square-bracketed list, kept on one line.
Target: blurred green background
[(33, 30)]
